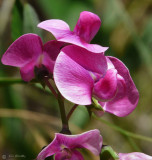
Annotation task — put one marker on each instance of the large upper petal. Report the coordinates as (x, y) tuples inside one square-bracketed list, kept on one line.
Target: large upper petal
[(73, 81), (51, 50), (87, 26), (127, 95), (61, 32), (23, 50), (134, 156)]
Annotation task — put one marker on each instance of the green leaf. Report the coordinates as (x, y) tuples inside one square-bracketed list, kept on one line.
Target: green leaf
[(31, 20), (107, 153), (17, 23)]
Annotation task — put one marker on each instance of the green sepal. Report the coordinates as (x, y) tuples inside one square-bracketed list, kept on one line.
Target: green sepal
[(96, 105), (107, 153)]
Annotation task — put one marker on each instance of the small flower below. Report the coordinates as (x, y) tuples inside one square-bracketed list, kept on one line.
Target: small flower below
[(65, 146)]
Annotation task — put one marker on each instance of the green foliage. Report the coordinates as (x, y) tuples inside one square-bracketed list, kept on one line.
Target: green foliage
[(17, 23), (64, 9), (147, 34), (31, 20), (80, 117)]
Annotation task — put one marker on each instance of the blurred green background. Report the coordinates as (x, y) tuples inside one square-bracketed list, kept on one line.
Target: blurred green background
[(29, 115)]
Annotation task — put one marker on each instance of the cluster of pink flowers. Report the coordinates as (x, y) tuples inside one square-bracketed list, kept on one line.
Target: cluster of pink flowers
[(80, 71)]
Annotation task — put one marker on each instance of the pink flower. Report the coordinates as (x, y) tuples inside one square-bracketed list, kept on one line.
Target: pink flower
[(65, 146), (28, 52), (122, 95), (80, 74), (134, 156), (86, 28)]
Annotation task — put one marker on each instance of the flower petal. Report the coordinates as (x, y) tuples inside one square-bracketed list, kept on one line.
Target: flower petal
[(73, 81), (75, 155), (61, 32), (57, 27), (119, 105), (92, 62), (70, 37), (27, 71), (87, 26), (74, 39), (51, 50), (132, 92), (91, 140), (127, 95), (63, 155), (105, 88), (134, 156), (23, 50), (53, 148)]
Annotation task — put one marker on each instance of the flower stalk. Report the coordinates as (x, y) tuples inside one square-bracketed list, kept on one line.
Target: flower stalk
[(46, 81), (58, 96), (65, 125)]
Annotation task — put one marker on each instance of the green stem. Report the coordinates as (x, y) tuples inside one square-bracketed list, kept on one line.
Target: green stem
[(11, 81), (71, 111), (133, 144), (123, 131), (46, 80), (65, 125)]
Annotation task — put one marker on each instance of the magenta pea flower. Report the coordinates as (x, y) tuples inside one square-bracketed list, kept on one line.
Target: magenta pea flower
[(134, 156), (81, 75), (28, 52), (65, 146), (86, 28), (125, 96)]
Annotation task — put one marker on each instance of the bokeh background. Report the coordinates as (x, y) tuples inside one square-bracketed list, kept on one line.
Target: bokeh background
[(29, 115)]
